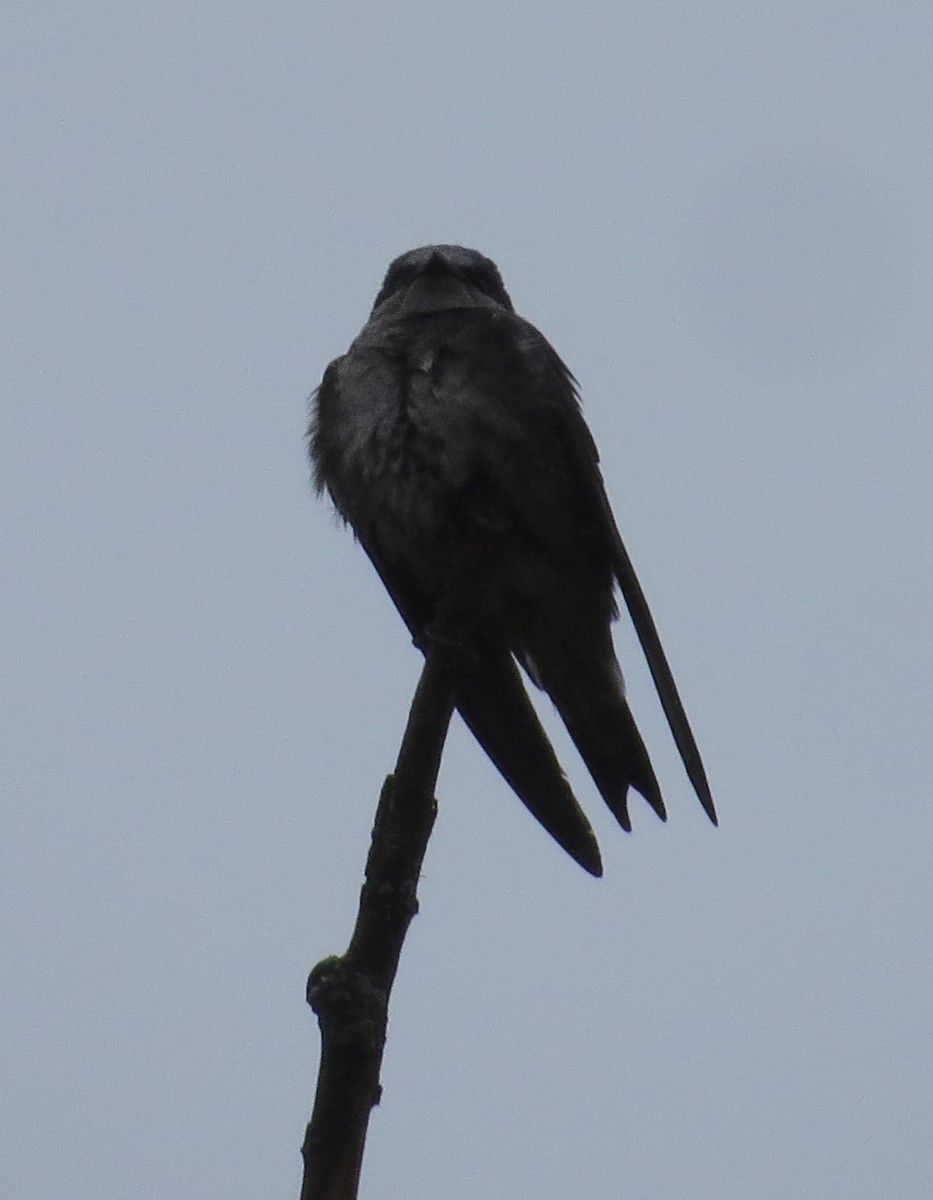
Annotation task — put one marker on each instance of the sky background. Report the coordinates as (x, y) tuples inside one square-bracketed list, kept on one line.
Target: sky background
[(720, 215)]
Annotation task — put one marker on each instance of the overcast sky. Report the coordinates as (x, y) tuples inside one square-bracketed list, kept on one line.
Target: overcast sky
[(720, 216)]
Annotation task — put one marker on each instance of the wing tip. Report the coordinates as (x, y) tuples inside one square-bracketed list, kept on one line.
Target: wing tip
[(590, 861), (572, 832)]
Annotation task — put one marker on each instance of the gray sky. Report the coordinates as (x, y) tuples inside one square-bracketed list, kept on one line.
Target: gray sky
[(720, 216)]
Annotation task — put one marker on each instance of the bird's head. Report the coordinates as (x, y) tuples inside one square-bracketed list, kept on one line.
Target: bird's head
[(433, 278)]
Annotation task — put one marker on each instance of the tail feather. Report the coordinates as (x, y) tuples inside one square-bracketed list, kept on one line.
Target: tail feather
[(660, 669), (593, 707), (616, 764)]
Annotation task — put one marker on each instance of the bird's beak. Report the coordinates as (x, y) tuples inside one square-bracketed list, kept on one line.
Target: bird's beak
[(436, 264), (439, 286)]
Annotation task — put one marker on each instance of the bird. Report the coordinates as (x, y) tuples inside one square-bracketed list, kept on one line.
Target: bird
[(451, 439)]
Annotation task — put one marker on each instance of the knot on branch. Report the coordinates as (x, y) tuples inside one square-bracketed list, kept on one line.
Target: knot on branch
[(351, 1010)]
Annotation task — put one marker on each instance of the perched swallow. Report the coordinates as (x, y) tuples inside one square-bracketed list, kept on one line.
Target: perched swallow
[(450, 438)]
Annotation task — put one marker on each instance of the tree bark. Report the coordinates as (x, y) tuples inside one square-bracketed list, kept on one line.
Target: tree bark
[(350, 993)]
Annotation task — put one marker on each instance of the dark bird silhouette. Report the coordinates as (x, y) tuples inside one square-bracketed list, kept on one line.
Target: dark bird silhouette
[(450, 438)]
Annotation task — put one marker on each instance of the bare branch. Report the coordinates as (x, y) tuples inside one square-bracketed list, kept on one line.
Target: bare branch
[(350, 993)]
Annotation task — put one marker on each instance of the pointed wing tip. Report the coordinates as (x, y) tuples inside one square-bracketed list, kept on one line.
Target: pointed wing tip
[(584, 852)]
